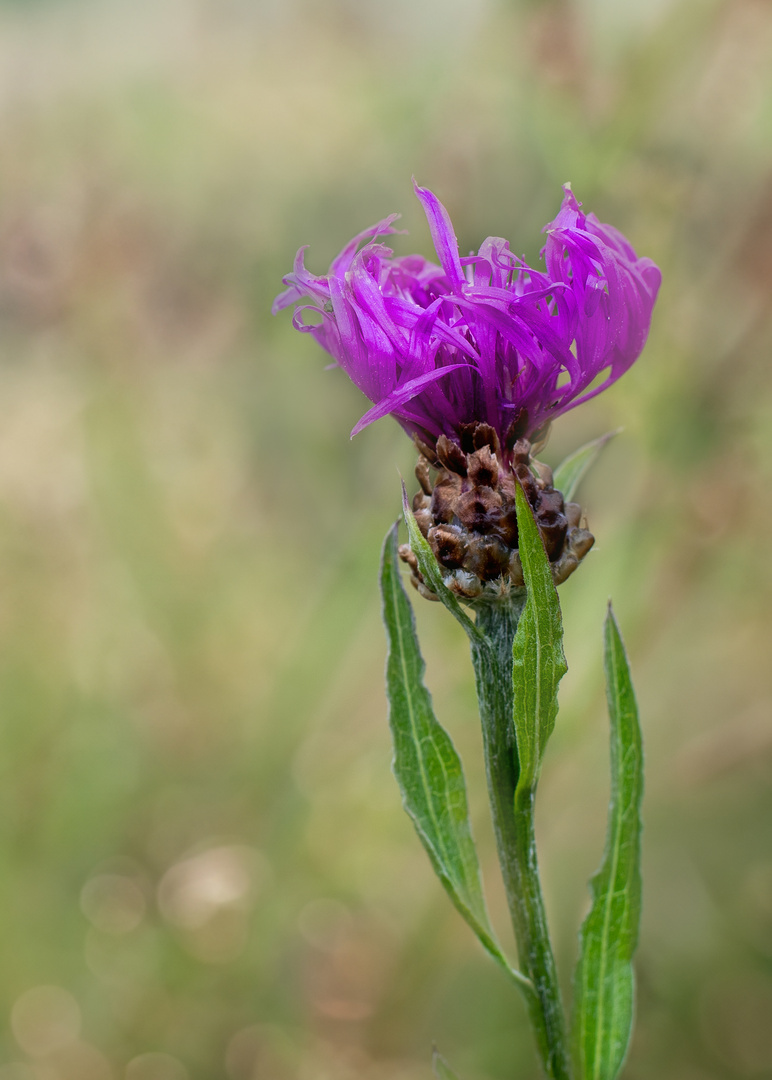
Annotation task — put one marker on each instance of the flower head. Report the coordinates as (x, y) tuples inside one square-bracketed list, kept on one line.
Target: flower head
[(483, 338)]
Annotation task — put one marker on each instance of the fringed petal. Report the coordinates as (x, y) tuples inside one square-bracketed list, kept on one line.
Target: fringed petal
[(484, 337), (401, 395), (443, 236), (342, 261)]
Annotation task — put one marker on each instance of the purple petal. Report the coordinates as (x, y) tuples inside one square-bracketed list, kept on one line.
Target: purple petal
[(443, 236), (508, 337), (301, 283), (401, 395), (342, 261)]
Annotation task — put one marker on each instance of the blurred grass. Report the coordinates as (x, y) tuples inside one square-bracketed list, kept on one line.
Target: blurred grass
[(201, 844)]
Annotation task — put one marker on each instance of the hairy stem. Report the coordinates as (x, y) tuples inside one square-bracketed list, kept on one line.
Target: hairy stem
[(515, 839)]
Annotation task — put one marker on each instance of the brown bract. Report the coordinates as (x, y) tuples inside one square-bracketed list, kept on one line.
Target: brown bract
[(467, 513)]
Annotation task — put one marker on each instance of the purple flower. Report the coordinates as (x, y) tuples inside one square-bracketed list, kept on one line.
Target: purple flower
[(481, 339)]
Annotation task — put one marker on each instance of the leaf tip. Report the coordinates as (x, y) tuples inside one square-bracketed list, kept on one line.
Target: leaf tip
[(520, 497), (440, 1067), (611, 617), (389, 548)]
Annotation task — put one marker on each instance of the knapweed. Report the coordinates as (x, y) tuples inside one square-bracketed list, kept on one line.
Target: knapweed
[(475, 356)]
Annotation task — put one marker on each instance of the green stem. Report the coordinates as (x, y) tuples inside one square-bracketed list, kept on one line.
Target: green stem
[(514, 828)]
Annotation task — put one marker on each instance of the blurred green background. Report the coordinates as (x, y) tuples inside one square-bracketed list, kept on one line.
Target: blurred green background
[(205, 871)]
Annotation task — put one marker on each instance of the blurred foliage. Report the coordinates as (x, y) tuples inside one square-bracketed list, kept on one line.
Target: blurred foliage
[(205, 868)]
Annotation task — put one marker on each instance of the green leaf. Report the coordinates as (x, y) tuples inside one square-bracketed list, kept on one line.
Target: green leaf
[(440, 1067), (427, 766), (432, 574), (539, 662), (604, 979), (570, 472)]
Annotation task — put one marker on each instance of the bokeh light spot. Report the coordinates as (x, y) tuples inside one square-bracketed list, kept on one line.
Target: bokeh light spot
[(156, 1066), (208, 897), (113, 903), (18, 1070), (80, 1061), (45, 1019), (324, 923), (193, 890)]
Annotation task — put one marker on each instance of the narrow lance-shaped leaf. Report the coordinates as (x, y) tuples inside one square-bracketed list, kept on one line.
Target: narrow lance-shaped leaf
[(427, 766), (570, 472), (539, 662), (440, 1067), (604, 978)]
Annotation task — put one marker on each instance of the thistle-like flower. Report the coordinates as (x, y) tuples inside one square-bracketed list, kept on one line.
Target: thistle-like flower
[(475, 357)]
